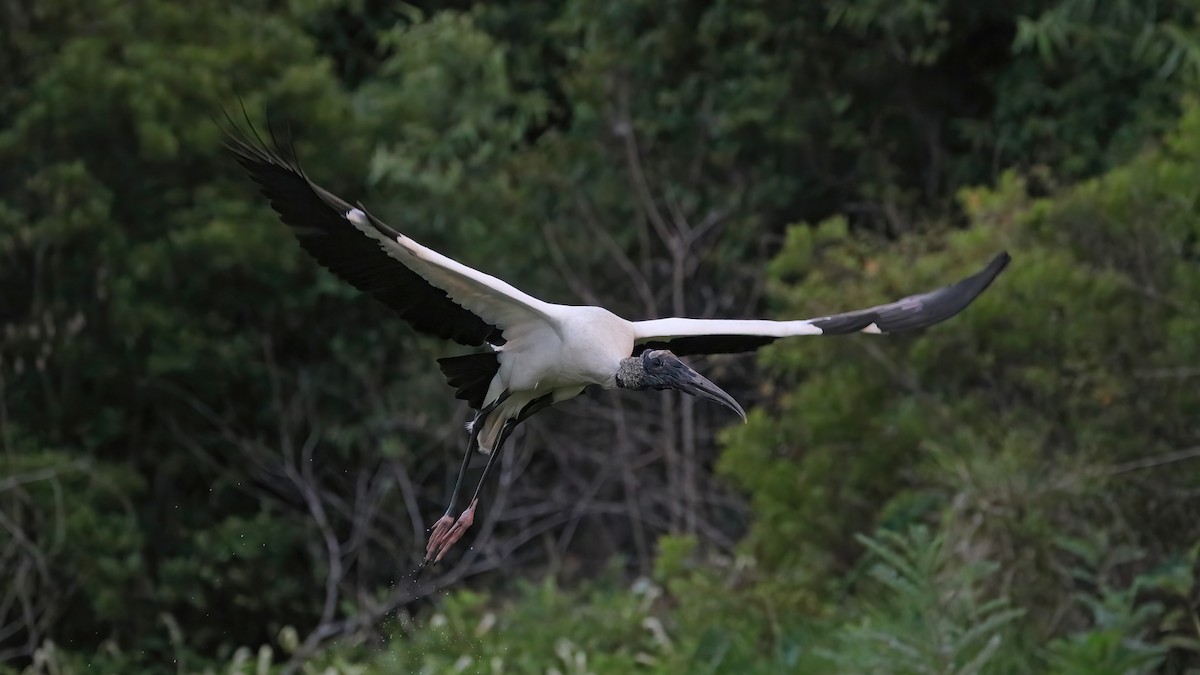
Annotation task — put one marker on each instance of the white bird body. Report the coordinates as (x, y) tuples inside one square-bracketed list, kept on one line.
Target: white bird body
[(576, 345), (541, 353), (549, 349), (572, 348)]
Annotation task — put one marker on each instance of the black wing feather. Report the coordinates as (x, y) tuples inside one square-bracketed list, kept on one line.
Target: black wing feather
[(470, 375), (908, 314), (707, 344), (916, 311), (317, 219)]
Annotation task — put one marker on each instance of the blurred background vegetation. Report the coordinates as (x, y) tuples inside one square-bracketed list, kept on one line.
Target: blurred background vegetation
[(214, 457)]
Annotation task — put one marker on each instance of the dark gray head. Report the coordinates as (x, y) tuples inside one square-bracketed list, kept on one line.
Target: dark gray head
[(660, 369)]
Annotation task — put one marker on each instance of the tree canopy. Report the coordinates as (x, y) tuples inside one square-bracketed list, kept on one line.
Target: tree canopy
[(215, 457)]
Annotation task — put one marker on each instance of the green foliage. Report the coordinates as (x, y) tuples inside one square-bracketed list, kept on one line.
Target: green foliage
[(853, 416), (1033, 413), (1127, 623), (933, 616), (543, 629), (177, 380), (1116, 642), (115, 222)]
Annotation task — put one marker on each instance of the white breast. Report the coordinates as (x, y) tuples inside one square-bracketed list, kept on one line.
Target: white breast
[(583, 346)]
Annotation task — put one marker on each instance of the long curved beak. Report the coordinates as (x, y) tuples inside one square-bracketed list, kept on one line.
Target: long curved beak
[(691, 382)]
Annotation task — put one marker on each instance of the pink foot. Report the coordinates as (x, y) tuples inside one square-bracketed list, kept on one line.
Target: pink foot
[(437, 535), (457, 531)]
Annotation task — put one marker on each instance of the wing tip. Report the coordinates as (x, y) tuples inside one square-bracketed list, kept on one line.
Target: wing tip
[(254, 153), (917, 312), (969, 289), (987, 275), (999, 262)]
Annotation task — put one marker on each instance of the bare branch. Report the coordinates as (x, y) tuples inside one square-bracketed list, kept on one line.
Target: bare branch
[(48, 473), (640, 283), (1156, 461), (564, 268)]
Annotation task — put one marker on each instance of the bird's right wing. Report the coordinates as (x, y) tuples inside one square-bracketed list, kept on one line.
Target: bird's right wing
[(431, 292), (723, 336)]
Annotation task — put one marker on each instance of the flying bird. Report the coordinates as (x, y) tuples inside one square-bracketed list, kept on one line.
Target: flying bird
[(538, 353)]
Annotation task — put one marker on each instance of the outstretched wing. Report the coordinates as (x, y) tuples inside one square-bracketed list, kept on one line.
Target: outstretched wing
[(434, 294), (723, 336)]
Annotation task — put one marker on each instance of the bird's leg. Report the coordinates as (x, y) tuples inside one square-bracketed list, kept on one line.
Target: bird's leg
[(442, 527), (468, 516)]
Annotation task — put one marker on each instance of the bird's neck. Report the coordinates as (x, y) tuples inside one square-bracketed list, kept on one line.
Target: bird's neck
[(631, 373)]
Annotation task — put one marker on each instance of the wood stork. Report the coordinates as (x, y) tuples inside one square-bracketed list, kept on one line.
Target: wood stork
[(540, 353)]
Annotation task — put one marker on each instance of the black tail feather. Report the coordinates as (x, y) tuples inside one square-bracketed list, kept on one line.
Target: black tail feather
[(471, 375)]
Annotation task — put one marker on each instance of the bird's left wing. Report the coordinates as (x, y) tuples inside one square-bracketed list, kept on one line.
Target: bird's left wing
[(431, 292), (723, 336)]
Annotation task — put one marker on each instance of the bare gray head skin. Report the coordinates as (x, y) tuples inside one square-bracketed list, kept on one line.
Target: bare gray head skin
[(660, 369)]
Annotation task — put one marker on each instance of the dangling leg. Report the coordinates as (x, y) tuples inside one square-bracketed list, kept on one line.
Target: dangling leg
[(442, 527), (468, 517)]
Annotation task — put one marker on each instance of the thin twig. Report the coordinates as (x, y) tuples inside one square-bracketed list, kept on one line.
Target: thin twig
[(1156, 461)]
